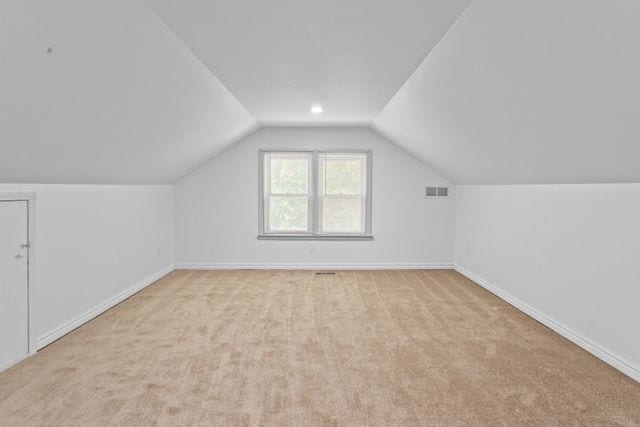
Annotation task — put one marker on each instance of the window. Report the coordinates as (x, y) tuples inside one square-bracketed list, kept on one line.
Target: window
[(315, 194)]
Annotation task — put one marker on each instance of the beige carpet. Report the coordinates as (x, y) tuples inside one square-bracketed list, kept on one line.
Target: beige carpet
[(293, 348)]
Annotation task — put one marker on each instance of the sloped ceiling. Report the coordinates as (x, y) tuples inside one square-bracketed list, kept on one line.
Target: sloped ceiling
[(540, 91), (520, 91), (103, 92), (278, 57)]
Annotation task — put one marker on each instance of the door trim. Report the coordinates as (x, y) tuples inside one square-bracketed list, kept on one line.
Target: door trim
[(30, 198)]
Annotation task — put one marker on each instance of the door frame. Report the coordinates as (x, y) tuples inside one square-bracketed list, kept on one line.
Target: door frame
[(30, 198)]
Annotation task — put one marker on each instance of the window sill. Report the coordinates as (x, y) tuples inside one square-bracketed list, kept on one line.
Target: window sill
[(346, 237)]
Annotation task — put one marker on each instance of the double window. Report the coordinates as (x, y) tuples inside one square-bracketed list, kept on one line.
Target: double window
[(315, 194)]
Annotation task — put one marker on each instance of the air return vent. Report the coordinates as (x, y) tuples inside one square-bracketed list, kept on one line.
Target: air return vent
[(436, 192)]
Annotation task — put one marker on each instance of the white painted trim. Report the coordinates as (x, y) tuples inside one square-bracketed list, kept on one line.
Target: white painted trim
[(605, 355), (101, 308), (314, 266)]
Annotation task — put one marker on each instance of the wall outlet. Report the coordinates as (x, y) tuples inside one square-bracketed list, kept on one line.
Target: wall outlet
[(468, 250), (312, 248)]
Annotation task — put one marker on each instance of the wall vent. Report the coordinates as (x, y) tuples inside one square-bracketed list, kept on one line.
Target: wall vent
[(436, 192)]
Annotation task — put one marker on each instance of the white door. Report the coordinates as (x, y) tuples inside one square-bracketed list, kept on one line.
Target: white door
[(14, 291)]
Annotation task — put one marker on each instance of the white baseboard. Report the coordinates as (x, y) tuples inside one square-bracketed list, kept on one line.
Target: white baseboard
[(315, 266), (101, 308), (602, 354)]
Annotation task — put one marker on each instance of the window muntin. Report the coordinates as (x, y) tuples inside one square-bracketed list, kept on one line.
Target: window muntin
[(315, 193)]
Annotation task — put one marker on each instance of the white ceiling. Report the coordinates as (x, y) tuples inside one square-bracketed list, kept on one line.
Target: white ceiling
[(278, 57), (103, 92), (540, 91), (521, 91)]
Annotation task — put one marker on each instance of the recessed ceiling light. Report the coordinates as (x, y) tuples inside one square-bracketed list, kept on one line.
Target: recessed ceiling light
[(316, 109)]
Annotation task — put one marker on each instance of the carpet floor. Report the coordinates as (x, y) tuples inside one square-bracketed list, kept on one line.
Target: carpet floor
[(295, 348)]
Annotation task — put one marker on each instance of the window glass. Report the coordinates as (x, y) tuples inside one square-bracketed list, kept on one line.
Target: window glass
[(289, 175), (342, 175), (342, 192), (288, 213), (342, 215)]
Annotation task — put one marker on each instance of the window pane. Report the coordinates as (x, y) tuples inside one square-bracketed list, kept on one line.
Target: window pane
[(288, 213), (289, 173), (342, 214), (309, 192), (342, 173)]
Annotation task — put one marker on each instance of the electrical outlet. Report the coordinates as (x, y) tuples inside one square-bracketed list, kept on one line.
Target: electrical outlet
[(312, 248), (468, 250)]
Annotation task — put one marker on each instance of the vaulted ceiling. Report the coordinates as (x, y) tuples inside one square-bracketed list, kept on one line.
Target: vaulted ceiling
[(279, 57), (501, 91), (103, 92), (527, 91)]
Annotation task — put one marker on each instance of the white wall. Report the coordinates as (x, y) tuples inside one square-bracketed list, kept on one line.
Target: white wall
[(217, 207), (94, 242), (569, 252)]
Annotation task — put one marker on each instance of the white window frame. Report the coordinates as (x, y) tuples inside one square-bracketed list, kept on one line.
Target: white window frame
[(314, 204)]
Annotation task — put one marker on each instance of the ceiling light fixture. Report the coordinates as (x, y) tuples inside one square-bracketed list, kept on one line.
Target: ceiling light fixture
[(316, 109)]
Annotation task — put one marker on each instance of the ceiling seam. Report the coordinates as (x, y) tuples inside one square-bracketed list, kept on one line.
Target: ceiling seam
[(231, 143), (374, 127), (186, 47), (424, 60), (392, 141)]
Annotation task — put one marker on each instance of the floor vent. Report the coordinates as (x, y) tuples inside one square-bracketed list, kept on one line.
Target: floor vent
[(325, 273)]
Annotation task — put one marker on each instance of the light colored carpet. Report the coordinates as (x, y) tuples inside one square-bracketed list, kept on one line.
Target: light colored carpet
[(292, 348)]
